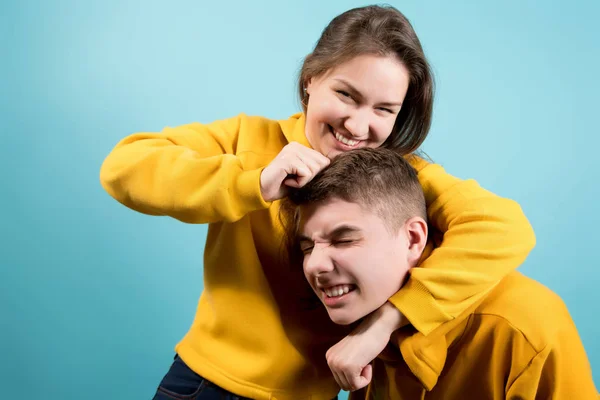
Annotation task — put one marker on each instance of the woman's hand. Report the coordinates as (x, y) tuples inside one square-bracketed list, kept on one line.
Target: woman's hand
[(294, 166)]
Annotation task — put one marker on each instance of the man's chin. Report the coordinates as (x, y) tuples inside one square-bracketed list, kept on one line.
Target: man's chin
[(343, 318)]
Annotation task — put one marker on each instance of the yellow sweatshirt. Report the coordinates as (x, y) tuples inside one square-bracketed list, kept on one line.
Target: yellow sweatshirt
[(519, 344), (253, 333)]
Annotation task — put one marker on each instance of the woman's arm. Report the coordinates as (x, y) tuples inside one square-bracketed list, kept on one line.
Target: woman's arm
[(191, 173), (484, 238)]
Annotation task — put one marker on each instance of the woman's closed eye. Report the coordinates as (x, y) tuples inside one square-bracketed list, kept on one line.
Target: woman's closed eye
[(387, 110), (344, 94)]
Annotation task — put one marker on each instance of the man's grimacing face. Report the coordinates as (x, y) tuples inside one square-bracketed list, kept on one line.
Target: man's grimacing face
[(352, 260)]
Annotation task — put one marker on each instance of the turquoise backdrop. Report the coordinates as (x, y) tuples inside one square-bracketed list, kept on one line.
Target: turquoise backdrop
[(93, 296)]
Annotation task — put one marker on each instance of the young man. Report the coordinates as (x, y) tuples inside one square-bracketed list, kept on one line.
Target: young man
[(361, 227)]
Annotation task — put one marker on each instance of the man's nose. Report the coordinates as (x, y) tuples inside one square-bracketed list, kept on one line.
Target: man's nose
[(318, 261)]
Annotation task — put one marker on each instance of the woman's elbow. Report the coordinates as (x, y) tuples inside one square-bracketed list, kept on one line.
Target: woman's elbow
[(521, 229)]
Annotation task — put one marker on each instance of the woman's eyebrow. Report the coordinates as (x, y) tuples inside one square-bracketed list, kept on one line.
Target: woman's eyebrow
[(355, 92)]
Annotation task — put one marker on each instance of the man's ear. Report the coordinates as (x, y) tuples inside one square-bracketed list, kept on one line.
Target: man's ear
[(416, 230)]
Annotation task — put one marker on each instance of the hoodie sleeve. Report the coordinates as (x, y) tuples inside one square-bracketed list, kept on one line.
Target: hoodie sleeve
[(484, 238), (191, 172)]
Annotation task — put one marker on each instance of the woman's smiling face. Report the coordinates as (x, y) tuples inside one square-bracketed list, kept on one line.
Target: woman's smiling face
[(355, 104)]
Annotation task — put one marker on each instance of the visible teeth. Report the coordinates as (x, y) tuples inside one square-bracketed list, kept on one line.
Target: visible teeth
[(337, 291), (345, 140)]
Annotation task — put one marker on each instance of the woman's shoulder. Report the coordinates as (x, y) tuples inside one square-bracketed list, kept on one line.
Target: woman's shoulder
[(259, 134)]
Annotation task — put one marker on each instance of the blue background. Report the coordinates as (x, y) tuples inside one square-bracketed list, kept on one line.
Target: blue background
[(93, 296)]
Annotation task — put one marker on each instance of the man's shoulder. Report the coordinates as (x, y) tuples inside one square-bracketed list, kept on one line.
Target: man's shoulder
[(529, 308)]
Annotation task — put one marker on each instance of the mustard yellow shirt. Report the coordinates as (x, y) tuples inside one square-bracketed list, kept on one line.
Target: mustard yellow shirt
[(520, 343), (253, 333)]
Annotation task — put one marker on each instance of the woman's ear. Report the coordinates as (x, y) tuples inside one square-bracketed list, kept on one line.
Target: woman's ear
[(308, 84)]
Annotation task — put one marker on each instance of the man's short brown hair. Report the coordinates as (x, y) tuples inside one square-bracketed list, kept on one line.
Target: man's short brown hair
[(380, 180)]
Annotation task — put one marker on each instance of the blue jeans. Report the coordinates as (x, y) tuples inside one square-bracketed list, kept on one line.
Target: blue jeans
[(181, 383)]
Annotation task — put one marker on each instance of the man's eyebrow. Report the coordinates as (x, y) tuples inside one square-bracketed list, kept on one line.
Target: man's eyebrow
[(303, 238), (337, 232), (343, 230), (354, 91)]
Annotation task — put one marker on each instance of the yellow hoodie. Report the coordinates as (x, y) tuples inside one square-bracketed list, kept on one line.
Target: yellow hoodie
[(520, 343), (253, 333)]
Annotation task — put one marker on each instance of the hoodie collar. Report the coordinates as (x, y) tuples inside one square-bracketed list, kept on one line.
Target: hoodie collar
[(293, 129), (425, 356)]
